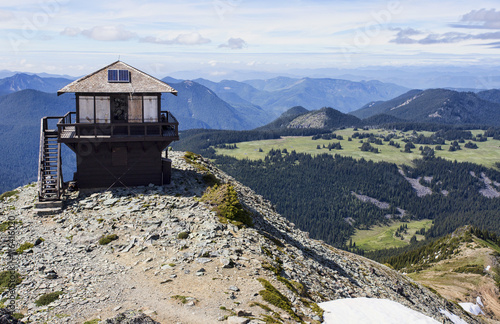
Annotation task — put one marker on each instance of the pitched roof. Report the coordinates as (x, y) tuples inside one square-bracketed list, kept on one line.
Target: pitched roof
[(97, 82)]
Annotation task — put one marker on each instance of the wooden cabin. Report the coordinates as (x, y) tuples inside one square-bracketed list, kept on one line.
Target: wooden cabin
[(118, 132)]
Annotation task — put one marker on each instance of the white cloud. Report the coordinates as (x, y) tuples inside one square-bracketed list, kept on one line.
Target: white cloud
[(404, 36), (70, 31), (234, 43), (181, 39), (482, 18), (109, 33)]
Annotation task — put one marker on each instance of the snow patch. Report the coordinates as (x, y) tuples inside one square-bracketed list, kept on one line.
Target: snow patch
[(371, 310), (435, 115), (452, 317), (227, 88), (471, 308), (406, 102)]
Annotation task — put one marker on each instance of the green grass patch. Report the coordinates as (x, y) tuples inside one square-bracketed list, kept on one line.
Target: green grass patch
[(94, 321), (182, 299), (383, 237), (226, 205), (294, 286), (46, 299), (318, 310), (192, 158), (272, 295), (4, 226), (470, 268), (108, 239), (487, 153), (8, 276), (23, 247), (8, 194)]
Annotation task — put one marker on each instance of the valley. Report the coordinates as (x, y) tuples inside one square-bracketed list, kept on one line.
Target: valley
[(487, 153)]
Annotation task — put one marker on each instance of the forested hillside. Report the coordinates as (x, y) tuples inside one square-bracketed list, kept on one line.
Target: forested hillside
[(316, 193)]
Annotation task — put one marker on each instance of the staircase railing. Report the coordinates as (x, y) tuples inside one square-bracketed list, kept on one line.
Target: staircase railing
[(44, 128)]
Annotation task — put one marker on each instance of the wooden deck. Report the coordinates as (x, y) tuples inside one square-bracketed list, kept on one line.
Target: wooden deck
[(71, 132)]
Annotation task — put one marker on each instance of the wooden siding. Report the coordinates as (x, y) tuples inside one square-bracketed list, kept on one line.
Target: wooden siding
[(97, 166)]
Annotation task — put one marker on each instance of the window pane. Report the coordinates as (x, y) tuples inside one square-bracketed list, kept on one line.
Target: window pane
[(102, 109), (150, 109), (135, 109), (86, 108)]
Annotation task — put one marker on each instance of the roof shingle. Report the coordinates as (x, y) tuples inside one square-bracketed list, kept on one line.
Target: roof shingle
[(97, 82)]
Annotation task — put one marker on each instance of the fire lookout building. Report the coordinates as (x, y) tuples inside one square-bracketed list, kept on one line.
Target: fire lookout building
[(118, 132)]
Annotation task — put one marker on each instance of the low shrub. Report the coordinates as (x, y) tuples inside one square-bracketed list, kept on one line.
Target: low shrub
[(23, 247), (225, 203), (46, 299), (5, 279), (108, 239)]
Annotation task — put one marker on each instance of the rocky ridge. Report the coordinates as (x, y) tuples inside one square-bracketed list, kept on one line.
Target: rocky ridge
[(174, 260)]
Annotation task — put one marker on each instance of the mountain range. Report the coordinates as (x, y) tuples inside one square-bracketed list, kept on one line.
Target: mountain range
[(279, 94), (439, 106), (24, 81), (24, 99)]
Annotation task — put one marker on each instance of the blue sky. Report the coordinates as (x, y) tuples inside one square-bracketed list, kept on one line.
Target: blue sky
[(217, 36)]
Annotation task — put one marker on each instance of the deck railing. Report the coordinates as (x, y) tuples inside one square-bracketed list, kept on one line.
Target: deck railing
[(167, 126)]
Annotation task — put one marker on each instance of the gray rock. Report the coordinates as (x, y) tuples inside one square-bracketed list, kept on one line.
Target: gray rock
[(7, 318), (237, 320), (131, 317), (203, 260), (226, 262)]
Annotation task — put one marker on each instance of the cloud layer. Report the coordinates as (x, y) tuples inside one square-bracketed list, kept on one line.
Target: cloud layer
[(475, 19), (181, 39), (234, 43), (483, 18)]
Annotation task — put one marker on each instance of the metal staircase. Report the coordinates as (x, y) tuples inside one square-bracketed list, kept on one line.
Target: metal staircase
[(50, 182)]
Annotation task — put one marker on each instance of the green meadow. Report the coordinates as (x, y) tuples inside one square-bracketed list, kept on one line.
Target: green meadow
[(487, 153), (383, 237)]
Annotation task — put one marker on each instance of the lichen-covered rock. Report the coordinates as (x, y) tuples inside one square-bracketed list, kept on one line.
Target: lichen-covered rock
[(131, 317), (7, 318)]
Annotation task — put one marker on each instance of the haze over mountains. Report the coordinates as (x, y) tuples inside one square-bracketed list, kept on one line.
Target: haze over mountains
[(234, 105)]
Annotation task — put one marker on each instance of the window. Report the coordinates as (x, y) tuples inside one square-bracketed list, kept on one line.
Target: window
[(118, 76)]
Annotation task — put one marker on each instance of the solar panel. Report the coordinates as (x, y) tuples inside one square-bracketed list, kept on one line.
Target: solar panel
[(123, 76), (118, 76), (113, 75)]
